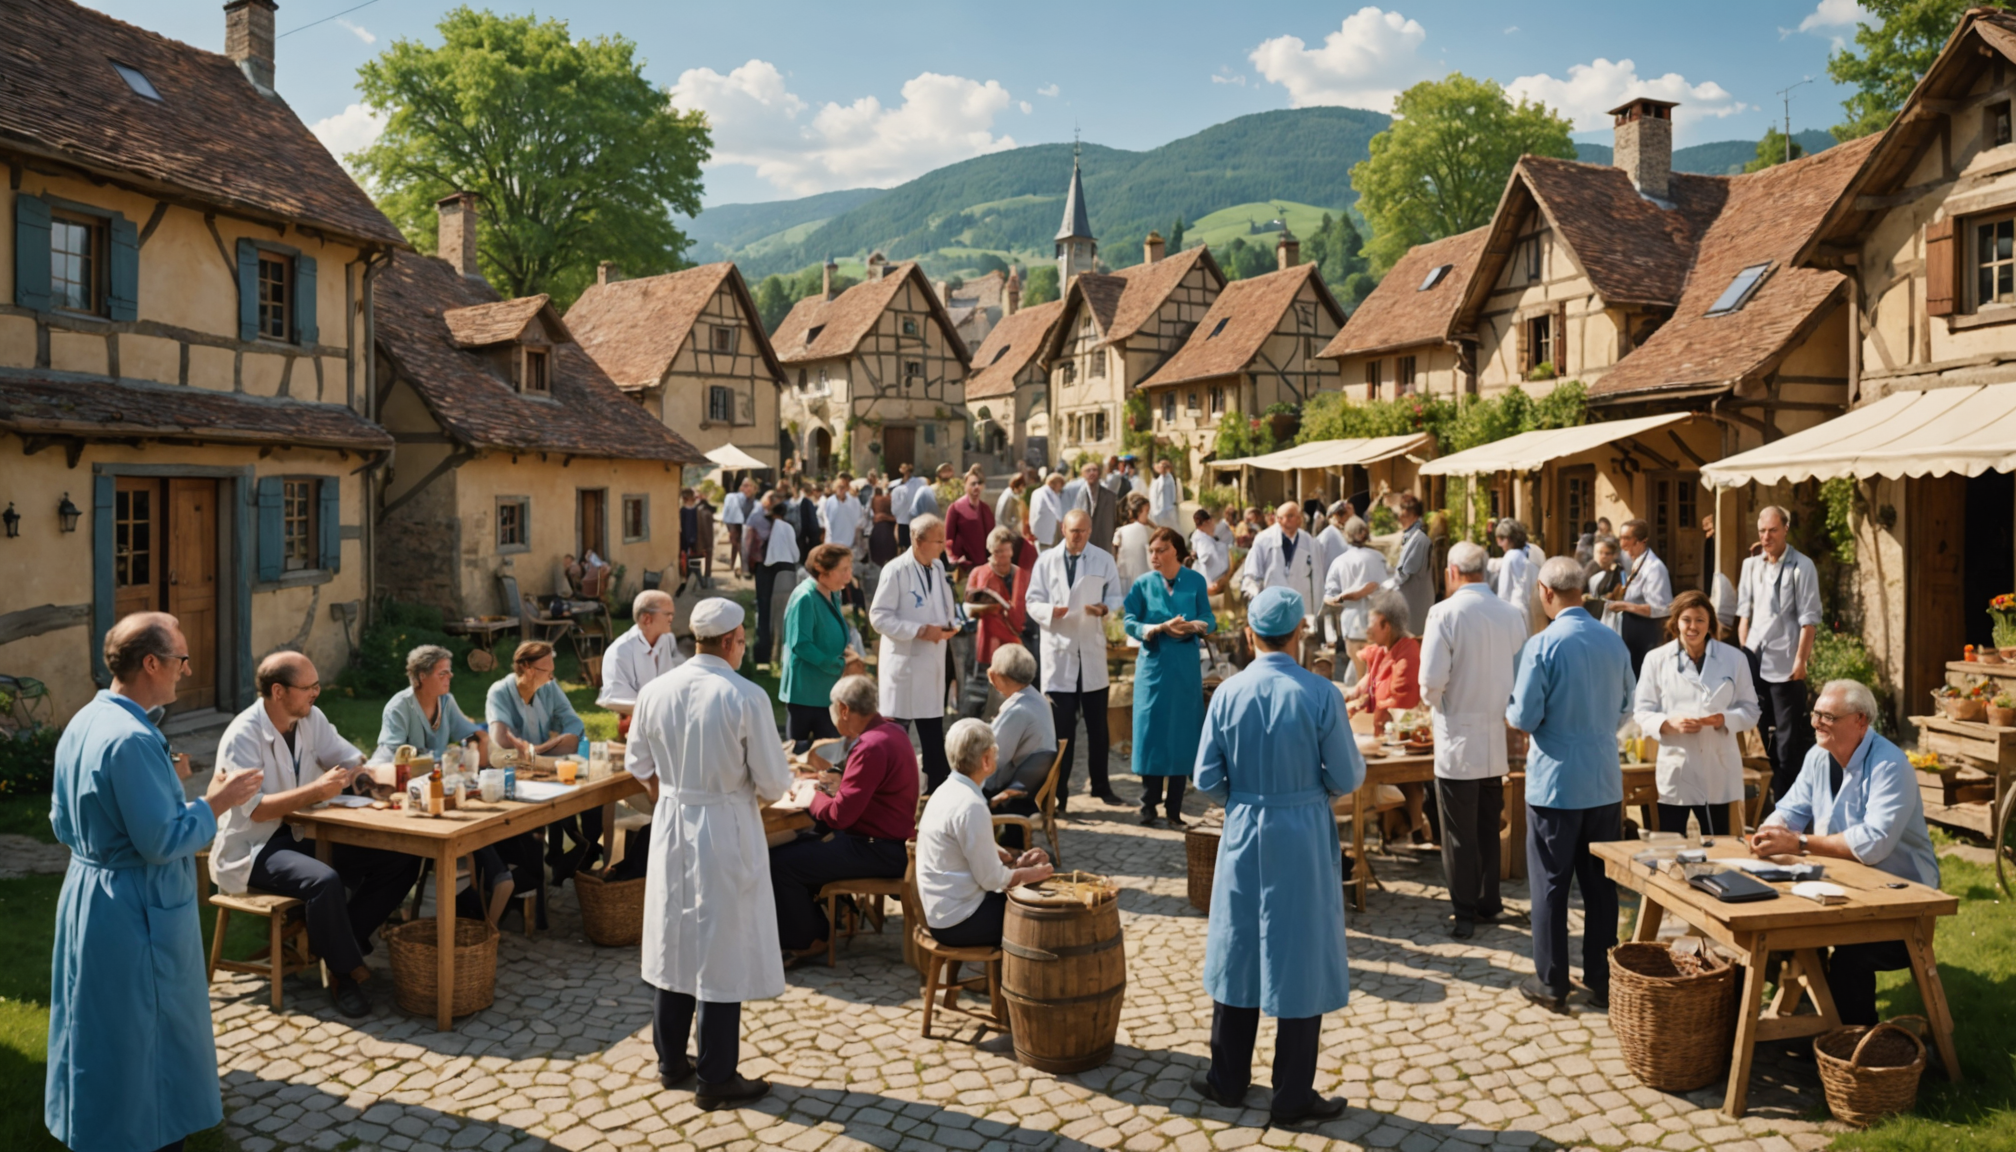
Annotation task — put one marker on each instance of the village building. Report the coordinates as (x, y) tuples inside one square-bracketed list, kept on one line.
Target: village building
[(977, 305), (1009, 390), (185, 404), (1400, 341), (514, 448), (876, 375), (690, 347)]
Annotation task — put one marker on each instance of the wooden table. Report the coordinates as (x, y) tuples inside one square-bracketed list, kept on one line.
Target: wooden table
[(1792, 924), (446, 838), (1396, 770)]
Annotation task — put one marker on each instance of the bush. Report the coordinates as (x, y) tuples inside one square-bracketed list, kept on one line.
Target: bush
[(1219, 499), (1843, 656), (28, 762), (379, 667)]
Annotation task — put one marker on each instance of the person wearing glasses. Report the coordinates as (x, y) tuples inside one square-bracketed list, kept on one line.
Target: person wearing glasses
[(1694, 695), (528, 713), (303, 762), (639, 656), (1856, 798)]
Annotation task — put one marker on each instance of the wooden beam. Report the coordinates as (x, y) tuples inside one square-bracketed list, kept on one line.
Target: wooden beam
[(35, 621)]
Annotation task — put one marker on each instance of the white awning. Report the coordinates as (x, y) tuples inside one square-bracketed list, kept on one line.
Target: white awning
[(729, 456), (1943, 431), (1332, 453), (1530, 451)]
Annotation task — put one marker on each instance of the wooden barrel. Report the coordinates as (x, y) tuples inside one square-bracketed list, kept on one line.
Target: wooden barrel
[(1064, 975), (1200, 847)]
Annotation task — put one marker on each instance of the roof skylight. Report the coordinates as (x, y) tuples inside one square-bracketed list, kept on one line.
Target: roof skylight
[(1740, 290), (1434, 276), (136, 80), (1219, 327)]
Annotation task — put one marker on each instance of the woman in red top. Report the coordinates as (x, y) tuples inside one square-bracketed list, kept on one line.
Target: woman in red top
[(1392, 683), (1000, 577)]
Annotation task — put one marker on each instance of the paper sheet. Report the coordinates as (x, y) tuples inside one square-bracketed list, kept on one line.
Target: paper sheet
[(1091, 590), (534, 791), (349, 801)]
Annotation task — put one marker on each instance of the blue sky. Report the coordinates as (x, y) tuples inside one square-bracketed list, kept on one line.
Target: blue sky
[(808, 97)]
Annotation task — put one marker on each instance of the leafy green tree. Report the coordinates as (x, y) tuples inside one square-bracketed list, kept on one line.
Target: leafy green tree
[(1771, 151), (1041, 286), (1176, 235), (1898, 44), (1442, 166), (1336, 248), (773, 301), (577, 156), (989, 263), (1242, 261)]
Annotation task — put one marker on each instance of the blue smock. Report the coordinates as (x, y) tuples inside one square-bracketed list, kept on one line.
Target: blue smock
[(1168, 680), (550, 714), (1573, 692), (132, 1059), (1276, 748), (405, 723)]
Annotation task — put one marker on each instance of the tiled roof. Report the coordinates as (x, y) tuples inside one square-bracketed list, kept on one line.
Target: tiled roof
[(50, 405), (481, 325), (587, 415), (1767, 218), (1101, 292), (1251, 311), (634, 328), (1399, 312), (1009, 348), (1634, 251), (818, 329), (1149, 286), (210, 136), (987, 291)]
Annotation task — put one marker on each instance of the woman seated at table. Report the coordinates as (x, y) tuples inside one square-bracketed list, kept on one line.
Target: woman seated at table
[(997, 595), (528, 713), (1694, 695), (963, 876), (1025, 736), (818, 646), (1392, 684)]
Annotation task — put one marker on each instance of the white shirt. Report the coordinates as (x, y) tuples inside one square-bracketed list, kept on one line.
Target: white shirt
[(1208, 556), (1779, 599), (910, 673), (1352, 570), (1008, 509), (1268, 566), (1650, 584), (1046, 512), (1163, 497), (1130, 552), (735, 507), (1329, 546), (924, 502), (1516, 575), (902, 496), (1469, 662), (1704, 767), (1076, 645), (710, 740), (253, 742), (841, 516), (958, 862), (630, 664), (783, 544)]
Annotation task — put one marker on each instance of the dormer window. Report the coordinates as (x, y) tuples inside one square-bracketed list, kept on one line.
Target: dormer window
[(136, 80), (723, 338), (1740, 290), (998, 353), (1434, 276), (536, 374), (813, 332), (1995, 120)]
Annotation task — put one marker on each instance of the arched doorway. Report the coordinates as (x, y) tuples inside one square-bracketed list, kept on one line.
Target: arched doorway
[(819, 452)]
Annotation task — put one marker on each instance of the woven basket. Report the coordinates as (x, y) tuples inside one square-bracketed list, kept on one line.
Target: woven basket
[(1200, 845), (415, 973), (1675, 1017), (612, 911), (1870, 1073)]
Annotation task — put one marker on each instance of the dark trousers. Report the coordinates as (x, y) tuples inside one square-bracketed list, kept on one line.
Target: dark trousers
[(1714, 818), (1557, 852), (720, 1034), (931, 746), (1785, 720), (1232, 1034), (1151, 794), (585, 831), (799, 869), (804, 723), (1470, 812), (515, 859), (1851, 976), (766, 583), (636, 862), (1065, 708), (1641, 635), (980, 930), (339, 923), (902, 535)]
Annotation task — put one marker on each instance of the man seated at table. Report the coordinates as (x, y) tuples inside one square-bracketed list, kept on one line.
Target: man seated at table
[(963, 876), (304, 762), (1025, 735), (640, 655), (865, 820), (529, 713), (1856, 798)]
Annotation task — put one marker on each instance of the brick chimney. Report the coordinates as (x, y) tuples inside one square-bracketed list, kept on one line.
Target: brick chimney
[(826, 275), (457, 244), (1152, 248), (606, 273), (1644, 145), (1011, 294), (1287, 250), (248, 40), (877, 265)]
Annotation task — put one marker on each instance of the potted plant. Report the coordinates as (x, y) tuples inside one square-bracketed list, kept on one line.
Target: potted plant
[(1967, 702), (2002, 710), (2002, 610)]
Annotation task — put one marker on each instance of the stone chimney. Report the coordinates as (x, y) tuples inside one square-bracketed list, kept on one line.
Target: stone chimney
[(826, 275), (1011, 294), (1287, 250), (877, 265), (457, 243), (944, 290), (606, 273), (248, 40), (1152, 248), (1644, 145)]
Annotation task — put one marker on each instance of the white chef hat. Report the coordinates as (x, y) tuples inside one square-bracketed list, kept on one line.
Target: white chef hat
[(716, 617)]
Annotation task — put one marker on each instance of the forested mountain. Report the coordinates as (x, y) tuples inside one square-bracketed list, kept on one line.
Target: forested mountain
[(720, 233)]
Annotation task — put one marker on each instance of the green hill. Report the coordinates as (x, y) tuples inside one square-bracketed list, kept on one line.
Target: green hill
[(1720, 158), (723, 232)]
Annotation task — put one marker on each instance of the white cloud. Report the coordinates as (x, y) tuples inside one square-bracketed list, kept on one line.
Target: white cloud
[(361, 32), (351, 130), (1509, 31), (758, 122), (1026, 107), (1225, 75), (1047, 90), (1834, 14), (1364, 64), (1591, 90)]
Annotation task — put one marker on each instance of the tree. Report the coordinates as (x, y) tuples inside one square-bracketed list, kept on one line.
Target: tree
[(1041, 286), (1242, 261), (1336, 248), (1898, 43), (990, 263), (773, 301), (1176, 235), (1771, 150), (1442, 166), (577, 156)]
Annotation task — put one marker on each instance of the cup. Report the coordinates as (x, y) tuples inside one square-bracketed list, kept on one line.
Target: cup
[(490, 784), (566, 769)]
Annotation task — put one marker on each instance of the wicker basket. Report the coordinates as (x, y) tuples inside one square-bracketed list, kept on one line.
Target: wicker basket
[(415, 973), (1200, 846), (612, 911), (1870, 1073), (1675, 1017)]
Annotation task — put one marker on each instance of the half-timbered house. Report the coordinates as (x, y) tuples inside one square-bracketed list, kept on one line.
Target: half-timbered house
[(1009, 391), (1401, 341)]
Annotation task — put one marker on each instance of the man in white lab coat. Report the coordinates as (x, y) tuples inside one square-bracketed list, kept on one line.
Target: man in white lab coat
[(1411, 576), (1469, 662), (1046, 510), (1165, 497), (704, 745), (1284, 556), (915, 614), (1071, 591)]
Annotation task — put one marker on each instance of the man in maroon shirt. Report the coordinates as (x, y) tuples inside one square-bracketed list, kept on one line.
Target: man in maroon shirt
[(865, 819), (967, 524)]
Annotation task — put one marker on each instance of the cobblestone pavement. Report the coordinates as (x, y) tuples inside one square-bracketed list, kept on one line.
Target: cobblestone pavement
[(1435, 1051)]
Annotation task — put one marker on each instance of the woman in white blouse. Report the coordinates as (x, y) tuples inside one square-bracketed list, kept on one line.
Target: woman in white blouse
[(1516, 572), (1694, 695), (1130, 543), (963, 876)]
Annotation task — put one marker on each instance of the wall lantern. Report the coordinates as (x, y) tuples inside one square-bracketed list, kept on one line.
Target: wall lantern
[(12, 519), (68, 514)]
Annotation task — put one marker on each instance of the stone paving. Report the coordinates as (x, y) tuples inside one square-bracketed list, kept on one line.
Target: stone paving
[(1436, 1051)]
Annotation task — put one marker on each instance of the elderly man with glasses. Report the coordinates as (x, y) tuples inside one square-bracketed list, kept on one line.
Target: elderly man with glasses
[(1856, 798), (639, 656)]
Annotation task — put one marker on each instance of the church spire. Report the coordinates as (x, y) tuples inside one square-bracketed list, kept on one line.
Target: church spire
[(1076, 249)]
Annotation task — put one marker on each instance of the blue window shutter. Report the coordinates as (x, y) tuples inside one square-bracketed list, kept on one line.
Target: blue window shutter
[(329, 523), (102, 590), (124, 285), (248, 299), (272, 544), (31, 252), (305, 329)]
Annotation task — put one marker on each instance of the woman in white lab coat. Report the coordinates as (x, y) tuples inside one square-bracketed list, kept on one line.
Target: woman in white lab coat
[(1516, 573), (915, 614), (1694, 695)]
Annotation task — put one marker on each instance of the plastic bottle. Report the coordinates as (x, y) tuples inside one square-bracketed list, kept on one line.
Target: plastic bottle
[(434, 794)]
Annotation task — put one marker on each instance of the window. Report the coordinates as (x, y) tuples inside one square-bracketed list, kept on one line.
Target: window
[(1996, 124), (1534, 259), (1374, 369), (276, 295), (1578, 498), (723, 338), (1099, 426), (1434, 276), (1539, 342), (930, 434), (1217, 400), (538, 380), (1740, 290), (913, 371), (137, 80), (133, 538), (77, 263), (909, 326), (998, 353), (1995, 262), (1218, 327), (1169, 407), (1097, 364), (297, 525), (1674, 511), (813, 332), (720, 404), (636, 518), (801, 379), (1070, 372), (1191, 406), (514, 524), (1403, 376)]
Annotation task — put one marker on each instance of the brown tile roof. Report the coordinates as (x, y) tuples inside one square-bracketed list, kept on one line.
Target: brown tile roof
[(1399, 313), (989, 291), (634, 328), (818, 329), (1009, 348), (481, 325), (1101, 292), (1767, 218), (1148, 288), (1250, 311), (34, 404), (1634, 251), (211, 136), (587, 414)]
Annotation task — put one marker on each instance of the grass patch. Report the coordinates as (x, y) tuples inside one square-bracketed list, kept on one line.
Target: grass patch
[(26, 816)]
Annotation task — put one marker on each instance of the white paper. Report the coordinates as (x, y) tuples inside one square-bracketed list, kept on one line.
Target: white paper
[(1091, 590), (798, 798), (533, 791), (1819, 890), (1720, 699), (350, 801)]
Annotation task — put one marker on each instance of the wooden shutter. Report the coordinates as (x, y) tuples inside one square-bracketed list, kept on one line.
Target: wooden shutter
[(1941, 268), (272, 541), (31, 253), (1519, 348), (248, 294), (123, 273), (306, 331), (329, 524), (1561, 340), (103, 591)]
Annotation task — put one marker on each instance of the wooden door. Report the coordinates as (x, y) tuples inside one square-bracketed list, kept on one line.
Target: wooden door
[(1675, 515), (592, 521), (899, 447), (1574, 506), (193, 586), (1935, 629), (138, 572)]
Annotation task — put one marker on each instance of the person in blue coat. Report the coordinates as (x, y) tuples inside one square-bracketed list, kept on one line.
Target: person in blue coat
[(1276, 749), (1167, 609), (132, 1062)]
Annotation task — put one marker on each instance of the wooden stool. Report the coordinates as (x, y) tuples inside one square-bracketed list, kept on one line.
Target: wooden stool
[(287, 943), (872, 887), (941, 970)]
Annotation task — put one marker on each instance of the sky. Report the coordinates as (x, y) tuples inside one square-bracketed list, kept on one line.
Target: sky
[(811, 97)]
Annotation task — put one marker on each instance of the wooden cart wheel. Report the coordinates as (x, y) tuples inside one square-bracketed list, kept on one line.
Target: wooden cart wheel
[(480, 660)]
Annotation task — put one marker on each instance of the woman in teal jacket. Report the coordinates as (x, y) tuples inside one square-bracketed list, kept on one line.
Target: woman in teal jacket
[(1168, 609), (817, 645), (528, 711)]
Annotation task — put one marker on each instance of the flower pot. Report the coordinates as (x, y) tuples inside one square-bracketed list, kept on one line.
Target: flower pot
[(2002, 717), (1988, 656), (1284, 425), (1961, 708)]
